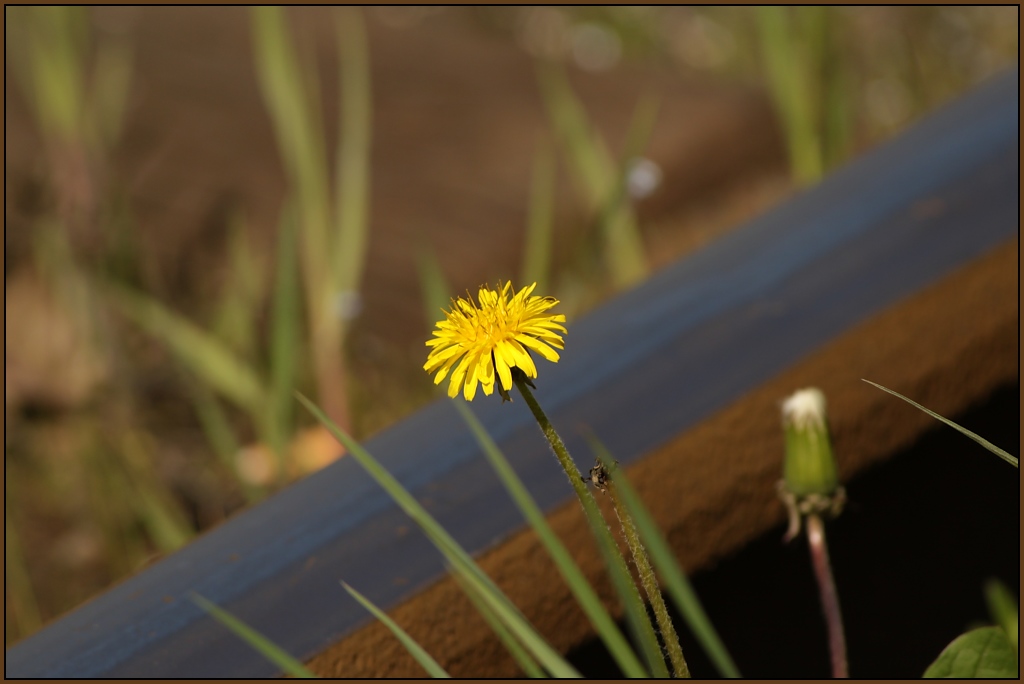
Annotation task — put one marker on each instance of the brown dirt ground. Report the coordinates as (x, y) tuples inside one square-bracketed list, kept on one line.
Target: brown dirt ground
[(726, 497)]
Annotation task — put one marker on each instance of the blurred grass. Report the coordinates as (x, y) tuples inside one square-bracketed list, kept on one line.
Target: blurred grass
[(856, 75), (595, 175), (333, 234)]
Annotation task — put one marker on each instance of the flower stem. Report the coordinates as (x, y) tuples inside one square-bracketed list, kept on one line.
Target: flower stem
[(647, 578), (829, 596), (636, 613)]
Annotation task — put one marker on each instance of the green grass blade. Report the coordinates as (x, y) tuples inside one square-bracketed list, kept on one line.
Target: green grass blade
[(282, 82), (285, 332), (590, 163), (112, 78), (456, 556), (353, 181), (1002, 606), (163, 518), (1012, 460), (57, 49), (433, 284), (540, 225), (263, 645), (414, 649), (790, 88), (593, 170), (220, 435), (23, 606), (624, 246), (522, 657), (238, 309), (672, 576), (196, 349), (517, 624), (610, 634)]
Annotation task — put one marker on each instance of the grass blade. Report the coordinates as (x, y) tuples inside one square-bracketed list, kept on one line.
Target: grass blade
[(290, 92), (790, 87), (285, 331), (415, 650), (197, 350), (353, 181), (266, 648), (434, 286), (594, 171), (672, 576), (220, 435), (455, 554), (290, 107), (240, 300), (610, 634), (1002, 606), (590, 163), (525, 661), (23, 608), (540, 225), (1012, 460)]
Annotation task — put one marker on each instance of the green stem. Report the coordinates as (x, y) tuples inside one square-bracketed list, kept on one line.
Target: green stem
[(647, 578), (636, 612), (829, 595)]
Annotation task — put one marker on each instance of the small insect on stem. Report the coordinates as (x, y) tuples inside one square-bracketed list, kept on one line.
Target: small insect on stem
[(599, 476)]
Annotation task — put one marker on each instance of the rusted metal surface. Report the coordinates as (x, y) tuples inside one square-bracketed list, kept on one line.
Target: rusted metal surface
[(642, 369)]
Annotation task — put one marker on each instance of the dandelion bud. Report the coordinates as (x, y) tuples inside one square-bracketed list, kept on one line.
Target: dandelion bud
[(809, 468)]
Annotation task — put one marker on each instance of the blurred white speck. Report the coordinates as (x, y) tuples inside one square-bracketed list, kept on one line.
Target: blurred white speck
[(595, 48), (348, 304), (643, 178)]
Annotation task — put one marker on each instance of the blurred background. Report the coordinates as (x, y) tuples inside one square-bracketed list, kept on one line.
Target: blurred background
[(208, 207)]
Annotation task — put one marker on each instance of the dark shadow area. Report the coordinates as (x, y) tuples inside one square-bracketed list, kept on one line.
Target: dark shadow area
[(921, 534)]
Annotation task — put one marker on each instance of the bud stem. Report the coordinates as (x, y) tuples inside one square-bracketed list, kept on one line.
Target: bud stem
[(829, 596)]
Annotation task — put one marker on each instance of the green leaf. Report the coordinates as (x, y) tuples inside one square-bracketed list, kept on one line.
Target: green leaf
[(610, 634), (664, 560), (980, 653), (1012, 460), (267, 648), (465, 566), (415, 650)]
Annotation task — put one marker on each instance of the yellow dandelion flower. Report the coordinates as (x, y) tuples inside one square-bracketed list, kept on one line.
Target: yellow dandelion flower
[(491, 337)]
